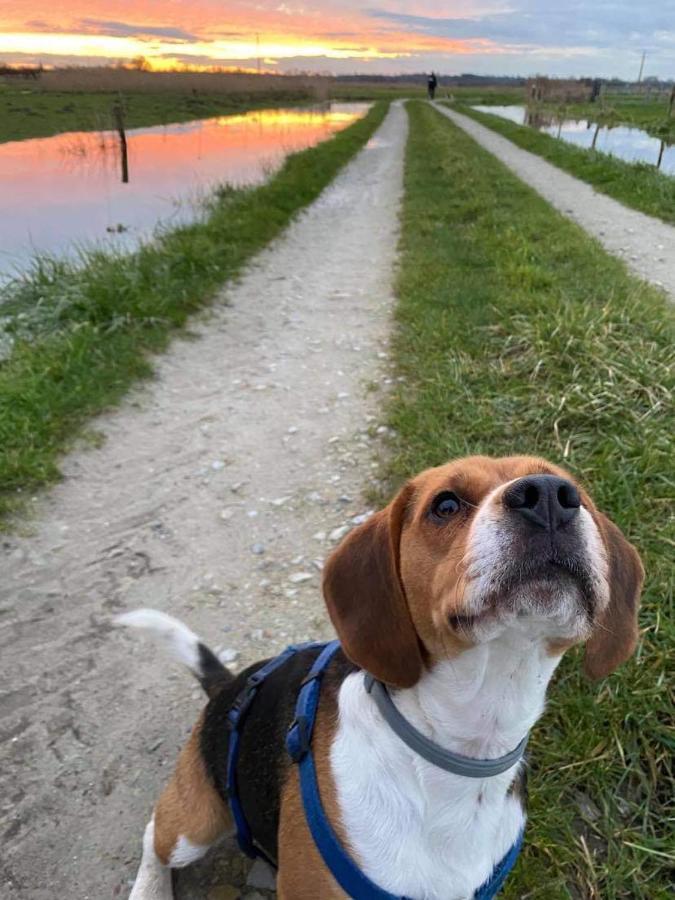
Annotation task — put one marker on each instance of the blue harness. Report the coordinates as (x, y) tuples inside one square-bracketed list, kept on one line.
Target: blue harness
[(299, 745)]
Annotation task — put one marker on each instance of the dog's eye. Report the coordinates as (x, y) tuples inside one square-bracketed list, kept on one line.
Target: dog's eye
[(445, 505)]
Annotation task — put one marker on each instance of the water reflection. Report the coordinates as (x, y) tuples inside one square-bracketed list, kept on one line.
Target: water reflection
[(629, 144), (115, 186)]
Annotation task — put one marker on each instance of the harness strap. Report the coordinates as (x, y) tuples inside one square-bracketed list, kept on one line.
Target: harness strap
[(439, 756), (299, 742), (235, 718), (348, 875), (489, 889)]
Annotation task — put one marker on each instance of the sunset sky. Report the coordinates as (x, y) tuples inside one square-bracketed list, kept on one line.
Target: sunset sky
[(385, 36)]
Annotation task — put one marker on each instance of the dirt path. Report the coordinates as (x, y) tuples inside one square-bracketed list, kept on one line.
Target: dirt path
[(219, 490), (645, 244)]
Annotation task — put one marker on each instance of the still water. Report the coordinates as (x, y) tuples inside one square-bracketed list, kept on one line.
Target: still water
[(629, 144), (66, 191)]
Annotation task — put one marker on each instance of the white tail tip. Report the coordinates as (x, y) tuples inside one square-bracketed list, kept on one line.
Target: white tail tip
[(180, 640)]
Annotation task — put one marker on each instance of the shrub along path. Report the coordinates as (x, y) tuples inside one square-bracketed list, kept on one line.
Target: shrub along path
[(646, 245)]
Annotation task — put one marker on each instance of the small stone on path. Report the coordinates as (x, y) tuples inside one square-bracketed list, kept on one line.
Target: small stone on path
[(338, 533), (262, 876), (300, 577)]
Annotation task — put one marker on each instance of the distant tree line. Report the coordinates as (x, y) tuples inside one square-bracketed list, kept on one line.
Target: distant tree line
[(20, 71), (468, 80)]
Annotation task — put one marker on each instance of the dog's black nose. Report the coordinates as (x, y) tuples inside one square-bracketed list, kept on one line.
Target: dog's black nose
[(545, 500)]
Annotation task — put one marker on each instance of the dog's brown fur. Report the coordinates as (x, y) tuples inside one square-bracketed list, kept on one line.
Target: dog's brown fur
[(189, 805)]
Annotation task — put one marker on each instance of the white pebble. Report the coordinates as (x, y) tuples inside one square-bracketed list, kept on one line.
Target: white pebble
[(338, 533), (299, 577)]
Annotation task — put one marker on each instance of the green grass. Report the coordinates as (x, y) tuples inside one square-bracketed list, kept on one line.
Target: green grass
[(638, 185), (517, 334), (368, 90), (359, 91), (26, 113), (75, 337), (494, 96)]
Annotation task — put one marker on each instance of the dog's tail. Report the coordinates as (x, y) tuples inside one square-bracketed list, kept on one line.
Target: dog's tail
[(183, 644)]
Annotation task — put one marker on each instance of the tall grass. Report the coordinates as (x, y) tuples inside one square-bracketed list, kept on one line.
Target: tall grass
[(518, 334), (115, 79)]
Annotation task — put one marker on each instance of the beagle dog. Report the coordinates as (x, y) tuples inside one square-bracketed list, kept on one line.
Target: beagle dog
[(461, 597)]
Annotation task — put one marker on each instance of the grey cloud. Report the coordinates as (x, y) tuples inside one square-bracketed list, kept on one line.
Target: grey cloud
[(604, 24), (126, 29)]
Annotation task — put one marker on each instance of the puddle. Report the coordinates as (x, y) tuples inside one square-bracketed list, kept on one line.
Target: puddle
[(68, 190), (629, 144)]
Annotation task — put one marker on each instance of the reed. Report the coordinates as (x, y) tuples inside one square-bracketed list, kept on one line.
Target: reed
[(111, 79)]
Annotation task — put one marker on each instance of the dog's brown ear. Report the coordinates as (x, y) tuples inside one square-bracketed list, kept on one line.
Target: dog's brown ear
[(365, 598), (615, 634)]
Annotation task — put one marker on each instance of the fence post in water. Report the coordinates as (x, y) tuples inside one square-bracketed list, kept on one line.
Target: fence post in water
[(595, 136), (118, 114), (672, 100), (661, 149)]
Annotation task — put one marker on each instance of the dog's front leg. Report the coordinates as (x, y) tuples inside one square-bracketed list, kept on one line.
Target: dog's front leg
[(153, 881)]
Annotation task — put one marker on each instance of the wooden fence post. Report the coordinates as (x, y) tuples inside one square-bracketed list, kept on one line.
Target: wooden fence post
[(595, 136), (661, 149), (118, 114)]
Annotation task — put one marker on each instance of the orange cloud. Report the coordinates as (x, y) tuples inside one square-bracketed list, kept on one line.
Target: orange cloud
[(203, 31)]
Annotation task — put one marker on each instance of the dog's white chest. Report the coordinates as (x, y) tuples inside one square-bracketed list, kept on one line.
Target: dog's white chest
[(416, 830)]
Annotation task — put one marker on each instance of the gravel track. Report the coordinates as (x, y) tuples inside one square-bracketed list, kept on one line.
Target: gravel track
[(219, 490), (645, 244)]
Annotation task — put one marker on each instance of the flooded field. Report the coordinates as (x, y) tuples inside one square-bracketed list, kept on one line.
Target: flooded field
[(629, 144), (81, 188)]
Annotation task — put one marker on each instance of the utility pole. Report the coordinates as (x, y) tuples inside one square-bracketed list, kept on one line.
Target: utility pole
[(642, 66), (257, 49)]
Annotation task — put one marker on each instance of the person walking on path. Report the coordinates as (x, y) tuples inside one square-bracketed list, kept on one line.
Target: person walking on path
[(432, 83)]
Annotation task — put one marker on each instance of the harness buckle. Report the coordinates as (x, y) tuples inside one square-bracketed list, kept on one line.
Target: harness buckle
[(240, 705), (297, 739), (310, 677)]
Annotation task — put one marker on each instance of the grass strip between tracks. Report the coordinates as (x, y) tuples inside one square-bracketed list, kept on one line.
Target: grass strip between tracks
[(516, 333)]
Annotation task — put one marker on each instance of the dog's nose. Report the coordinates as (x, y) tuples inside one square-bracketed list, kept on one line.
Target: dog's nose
[(544, 500)]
